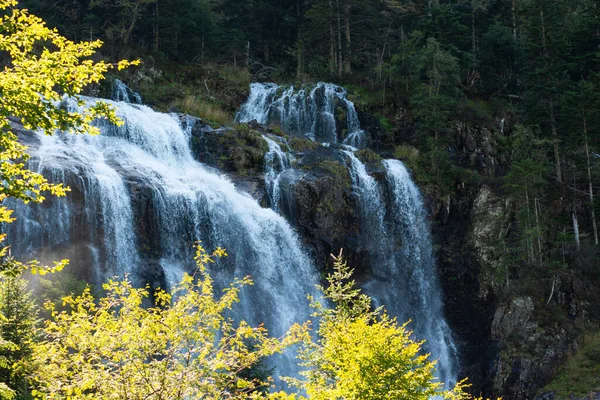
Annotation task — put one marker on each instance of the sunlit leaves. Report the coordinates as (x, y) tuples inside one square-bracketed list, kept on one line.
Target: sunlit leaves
[(41, 68), (364, 354), (184, 347)]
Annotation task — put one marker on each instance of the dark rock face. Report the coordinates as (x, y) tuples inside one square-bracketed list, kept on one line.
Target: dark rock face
[(316, 198), (476, 147), (537, 335)]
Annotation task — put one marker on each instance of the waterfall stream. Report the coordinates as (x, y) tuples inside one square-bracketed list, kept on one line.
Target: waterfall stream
[(276, 162), (396, 234)]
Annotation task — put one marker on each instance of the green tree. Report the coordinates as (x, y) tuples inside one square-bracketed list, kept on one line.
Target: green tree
[(18, 316), (362, 353), (436, 95)]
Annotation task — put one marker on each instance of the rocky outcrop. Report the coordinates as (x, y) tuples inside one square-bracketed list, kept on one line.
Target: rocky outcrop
[(476, 147), (537, 334), (317, 199), (490, 222)]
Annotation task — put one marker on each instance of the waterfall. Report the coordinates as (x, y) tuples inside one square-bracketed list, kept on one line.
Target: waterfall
[(413, 272), (396, 234), (139, 186), (276, 162), (106, 205), (305, 113), (371, 205)]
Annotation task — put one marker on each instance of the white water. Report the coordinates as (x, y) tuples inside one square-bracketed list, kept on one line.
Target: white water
[(122, 92), (185, 202), (304, 113), (411, 277), (396, 234), (371, 206), (276, 162)]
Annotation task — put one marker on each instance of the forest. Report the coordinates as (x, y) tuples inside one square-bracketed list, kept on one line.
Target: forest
[(191, 169)]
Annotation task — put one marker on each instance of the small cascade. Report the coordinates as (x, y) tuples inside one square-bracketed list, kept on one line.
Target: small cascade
[(370, 203), (122, 92), (276, 162), (305, 112), (105, 202), (140, 201)]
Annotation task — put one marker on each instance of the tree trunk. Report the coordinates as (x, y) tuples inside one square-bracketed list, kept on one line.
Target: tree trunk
[(155, 28), (589, 171), (514, 18), (248, 54), (134, 18), (473, 31), (348, 60), (576, 229), (530, 250), (339, 37), (332, 57), (552, 118), (299, 39), (536, 205), (556, 142)]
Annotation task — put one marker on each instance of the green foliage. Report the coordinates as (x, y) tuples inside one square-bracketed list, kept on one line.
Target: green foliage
[(581, 373), (434, 98), (368, 156), (18, 316), (243, 150), (362, 353), (302, 145), (475, 110), (406, 153), (56, 286), (335, 168), (525, 175), (182, 348), (210, 112)]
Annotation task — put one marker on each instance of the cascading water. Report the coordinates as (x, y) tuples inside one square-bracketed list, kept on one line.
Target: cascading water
[(276, 162), (139, 184), (122, 92), (106, 206), (398, 239), (412, 273), (370, 203), (311, 114)]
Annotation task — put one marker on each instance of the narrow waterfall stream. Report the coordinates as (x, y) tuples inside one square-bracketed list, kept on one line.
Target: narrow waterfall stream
[(139, 188), (276, 162), (396, 232)]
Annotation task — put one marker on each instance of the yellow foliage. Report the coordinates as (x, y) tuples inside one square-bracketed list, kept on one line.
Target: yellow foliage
[(362, 354), (42, 67), (182, 348)]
